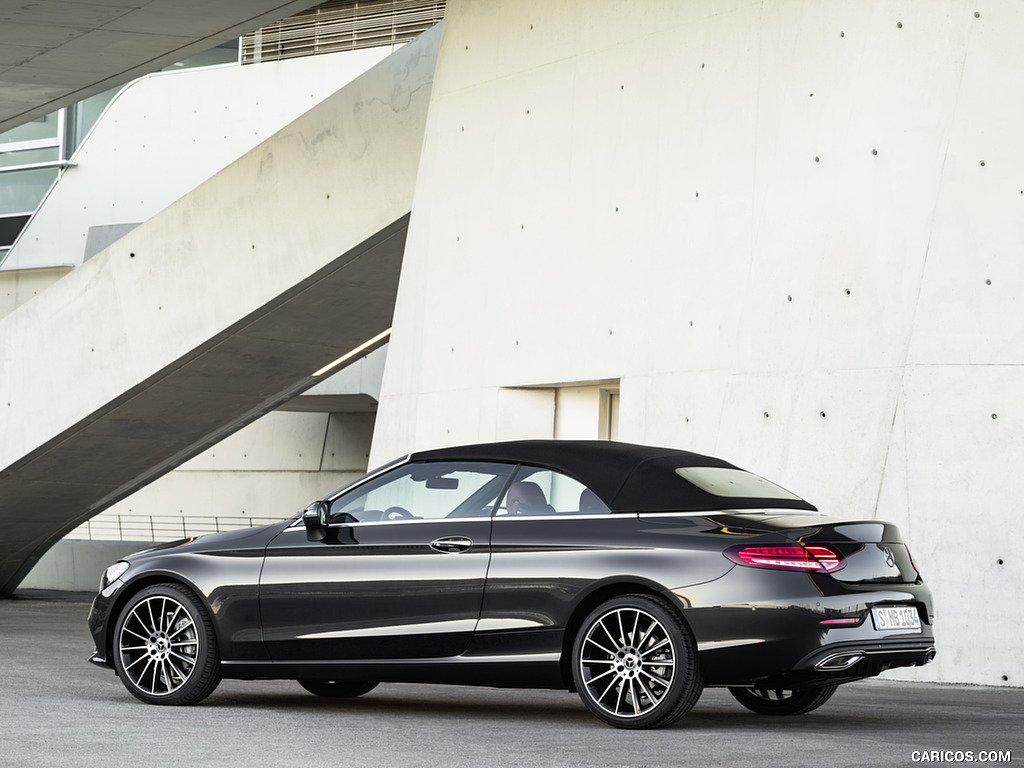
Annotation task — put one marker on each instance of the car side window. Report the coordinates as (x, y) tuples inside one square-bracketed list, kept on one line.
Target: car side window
[(536, 491), (424, 491)]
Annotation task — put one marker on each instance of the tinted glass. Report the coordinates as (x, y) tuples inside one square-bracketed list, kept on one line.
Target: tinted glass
[(546, 492), (734, 483), (424, 491)]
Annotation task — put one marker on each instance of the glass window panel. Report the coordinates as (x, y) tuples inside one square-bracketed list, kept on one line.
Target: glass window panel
[(424, 491), (41, 128), (734, 483), (22, 191), (26, 157), (225, 53), (545, 492), (10, 228), (87, 112)]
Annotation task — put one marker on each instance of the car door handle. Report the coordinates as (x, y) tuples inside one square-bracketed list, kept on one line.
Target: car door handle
[(451, 544)]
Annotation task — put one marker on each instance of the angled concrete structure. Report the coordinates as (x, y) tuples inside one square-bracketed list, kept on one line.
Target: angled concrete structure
[(211, 313)]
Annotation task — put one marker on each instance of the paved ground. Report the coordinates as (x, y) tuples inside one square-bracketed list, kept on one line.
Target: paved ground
[(56, 709)]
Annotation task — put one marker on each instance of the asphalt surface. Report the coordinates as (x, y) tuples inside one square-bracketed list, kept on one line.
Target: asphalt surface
[(56, 709)]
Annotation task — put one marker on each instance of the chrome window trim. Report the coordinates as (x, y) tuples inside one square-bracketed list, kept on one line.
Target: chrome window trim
[(522, 518), (762, 512), (566, 516)]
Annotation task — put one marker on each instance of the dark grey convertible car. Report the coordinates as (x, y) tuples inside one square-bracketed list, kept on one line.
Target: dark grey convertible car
[(633, 575)]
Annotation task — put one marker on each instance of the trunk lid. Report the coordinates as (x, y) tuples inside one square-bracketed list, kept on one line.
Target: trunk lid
[(871, 551)]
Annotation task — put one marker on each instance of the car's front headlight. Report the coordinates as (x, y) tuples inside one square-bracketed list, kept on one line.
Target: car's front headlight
[(113, 573)]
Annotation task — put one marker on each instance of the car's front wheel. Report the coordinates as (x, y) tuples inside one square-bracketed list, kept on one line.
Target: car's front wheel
[(635, 664), (165, 650), (771, 701), (337, 689)]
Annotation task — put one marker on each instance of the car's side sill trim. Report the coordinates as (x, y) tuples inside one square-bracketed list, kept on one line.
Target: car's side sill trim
[(522, 658)]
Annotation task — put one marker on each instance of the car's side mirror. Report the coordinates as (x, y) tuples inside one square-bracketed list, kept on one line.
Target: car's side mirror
[(315, 518)]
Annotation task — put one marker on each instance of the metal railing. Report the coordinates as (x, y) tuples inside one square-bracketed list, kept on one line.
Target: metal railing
[(161, 528)]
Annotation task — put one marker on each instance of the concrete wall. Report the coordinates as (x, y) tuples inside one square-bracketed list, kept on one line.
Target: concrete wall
[(17, 287), (790, 233), (213, 311), (166, 133), (160, 137), (76, 566), (270, 469)]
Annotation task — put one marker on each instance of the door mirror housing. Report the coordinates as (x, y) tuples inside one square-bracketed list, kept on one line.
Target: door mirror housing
[(315, 518)]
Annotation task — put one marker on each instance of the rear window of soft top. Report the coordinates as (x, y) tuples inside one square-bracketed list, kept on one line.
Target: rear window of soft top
[(734, 483)]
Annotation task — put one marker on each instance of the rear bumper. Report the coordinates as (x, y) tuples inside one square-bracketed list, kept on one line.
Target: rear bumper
[(846, 662), (819, 633), (100, 661), (847, 657)]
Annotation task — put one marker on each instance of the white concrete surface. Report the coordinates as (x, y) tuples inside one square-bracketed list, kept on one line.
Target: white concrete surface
[(17, 287), (130, 167), (270, 469), (789, 231), (77, 566), (181, 299), (167, 133), (213, 311)]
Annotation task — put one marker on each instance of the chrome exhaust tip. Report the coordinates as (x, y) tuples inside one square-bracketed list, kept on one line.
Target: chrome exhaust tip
[(839, 661)]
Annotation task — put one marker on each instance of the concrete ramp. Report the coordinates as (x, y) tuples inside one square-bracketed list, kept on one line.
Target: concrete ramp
[(211, 313)]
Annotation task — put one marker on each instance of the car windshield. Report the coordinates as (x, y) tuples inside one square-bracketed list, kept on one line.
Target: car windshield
[(734, 483)]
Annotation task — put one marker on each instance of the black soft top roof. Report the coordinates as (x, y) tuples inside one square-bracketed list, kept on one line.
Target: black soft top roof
[(626, 477)]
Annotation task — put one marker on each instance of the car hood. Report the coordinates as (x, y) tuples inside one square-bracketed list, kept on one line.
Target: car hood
[(242, 538)]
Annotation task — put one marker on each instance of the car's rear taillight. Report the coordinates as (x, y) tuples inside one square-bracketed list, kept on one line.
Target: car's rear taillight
[(912, 563), (813, 557)]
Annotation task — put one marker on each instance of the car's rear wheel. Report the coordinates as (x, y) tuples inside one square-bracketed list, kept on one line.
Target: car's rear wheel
[(165, 650), (635, 665), (780, 701), (337, 689)]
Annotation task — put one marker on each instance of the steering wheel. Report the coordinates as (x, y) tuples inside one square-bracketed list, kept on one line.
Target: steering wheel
[(396, 513)]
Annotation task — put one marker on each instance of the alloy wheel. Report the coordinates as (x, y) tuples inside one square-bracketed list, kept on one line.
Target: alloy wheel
[(165, 648), (627, 662), (634, 663), (158, 644)]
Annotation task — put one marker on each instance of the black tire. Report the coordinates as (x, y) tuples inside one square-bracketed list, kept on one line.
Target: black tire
[(337, 689), (634, 662), (798, 701), (164, 647)]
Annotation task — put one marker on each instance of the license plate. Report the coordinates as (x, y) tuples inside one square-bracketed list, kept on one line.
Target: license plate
[(896, 617)]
